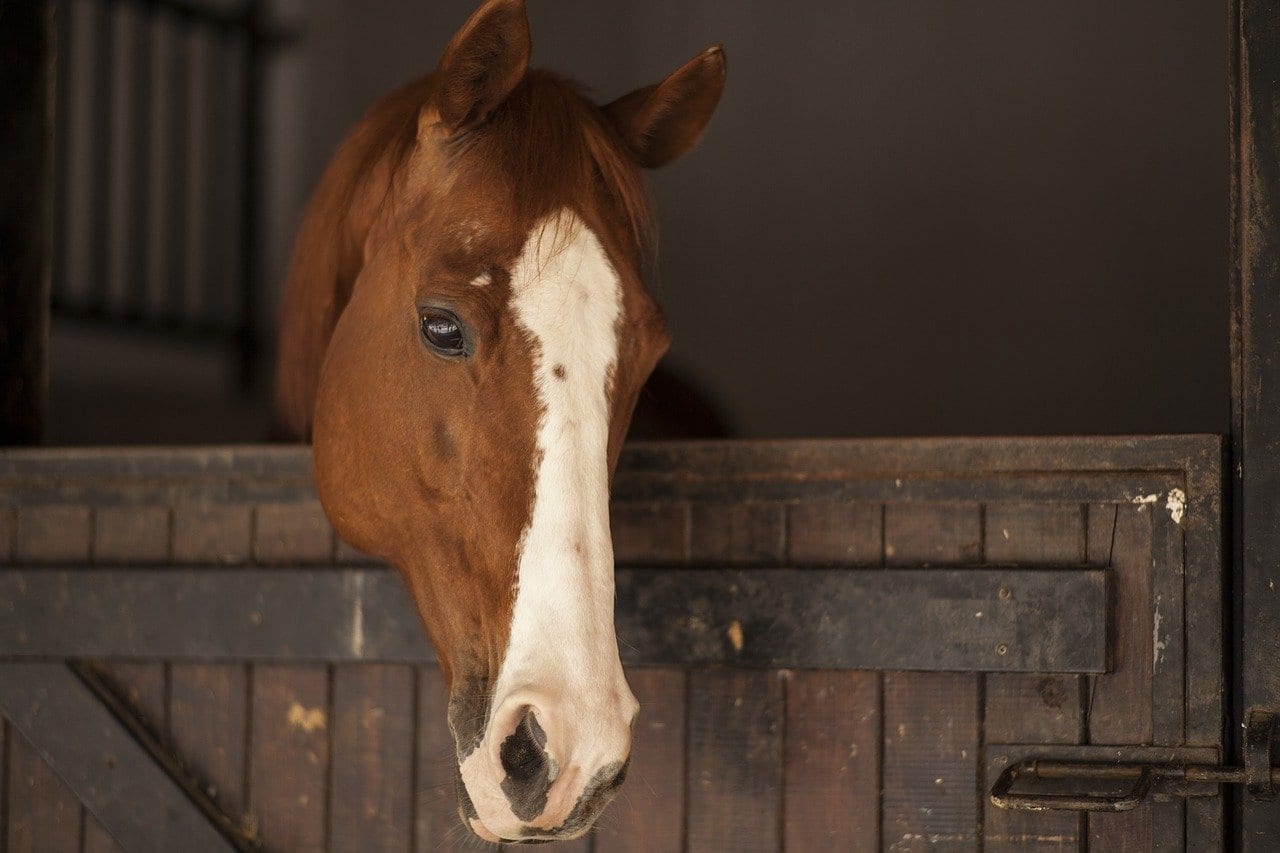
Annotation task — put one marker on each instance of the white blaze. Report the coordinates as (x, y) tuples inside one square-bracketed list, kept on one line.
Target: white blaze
[(562, 655)]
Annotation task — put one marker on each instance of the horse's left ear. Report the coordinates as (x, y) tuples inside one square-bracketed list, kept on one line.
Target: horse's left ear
[(483, 63), (661, 122)]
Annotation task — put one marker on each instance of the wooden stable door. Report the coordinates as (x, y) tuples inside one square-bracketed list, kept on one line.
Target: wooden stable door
[(837, 646)]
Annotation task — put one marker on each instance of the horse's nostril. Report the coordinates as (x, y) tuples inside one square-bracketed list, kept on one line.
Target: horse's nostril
[(522, 753)]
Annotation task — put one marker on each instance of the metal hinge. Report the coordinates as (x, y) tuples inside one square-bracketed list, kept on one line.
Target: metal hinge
[(1260, 773)]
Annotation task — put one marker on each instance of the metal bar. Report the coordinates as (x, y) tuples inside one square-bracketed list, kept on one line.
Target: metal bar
[(920, 619), (1143, 775), (134, 794)]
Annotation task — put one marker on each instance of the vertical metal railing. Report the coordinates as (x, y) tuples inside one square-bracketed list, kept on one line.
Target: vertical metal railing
[(156, 167)]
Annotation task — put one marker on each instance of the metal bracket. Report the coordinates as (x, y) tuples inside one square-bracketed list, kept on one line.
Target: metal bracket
[(1260, 774)]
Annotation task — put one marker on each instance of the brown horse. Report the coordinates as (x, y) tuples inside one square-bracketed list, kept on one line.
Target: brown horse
[(464, 334)]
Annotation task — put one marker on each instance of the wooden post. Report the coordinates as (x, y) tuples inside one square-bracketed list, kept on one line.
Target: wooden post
[(1255, 358), (26, 178)]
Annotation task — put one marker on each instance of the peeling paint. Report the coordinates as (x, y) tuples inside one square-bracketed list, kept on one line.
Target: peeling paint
[(735, 635), (306, 719), (1176, 504), (357, 616), (1144, 500)]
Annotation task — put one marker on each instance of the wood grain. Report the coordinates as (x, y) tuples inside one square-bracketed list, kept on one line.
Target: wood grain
[(1033, 707), (930, 761), (649, 812), (289, 758), (831, 532), (43, 815), (832, 761), (207, 721), (371, 806), (734, 760)]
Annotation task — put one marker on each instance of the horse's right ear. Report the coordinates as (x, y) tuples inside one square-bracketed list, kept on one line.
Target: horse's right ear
[(661, 122), (483, 63)]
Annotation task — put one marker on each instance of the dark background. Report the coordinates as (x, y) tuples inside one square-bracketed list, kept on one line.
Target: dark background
[(907, 218)]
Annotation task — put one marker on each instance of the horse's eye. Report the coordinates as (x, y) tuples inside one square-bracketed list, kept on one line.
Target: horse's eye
[(442, 332)]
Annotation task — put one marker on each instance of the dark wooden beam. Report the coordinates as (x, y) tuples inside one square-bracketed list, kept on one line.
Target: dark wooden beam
[(27, 52), (134, 792), (983, 619), (1255, 351)]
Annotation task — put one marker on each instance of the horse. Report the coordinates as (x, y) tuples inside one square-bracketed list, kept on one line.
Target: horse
[(463, 336)]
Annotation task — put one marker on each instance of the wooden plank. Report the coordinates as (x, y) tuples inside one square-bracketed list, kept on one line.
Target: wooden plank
[(829, 532), (97, 839), (28, 44), (143, 687), (208, 725), (1033, 707), (232, 614), (105, 764), (1168, 627), (734, 760), (131, 534), (1254, 81), (737, 533), (930, 761), (436, 823), (295, 532), (43, 814), (832, 761), (208, 533), (649, 812), (649, 533), (57, 533), (931, 533), (1035, 533), (965, 619), (289, 756), (373, 759), (1120, 704)]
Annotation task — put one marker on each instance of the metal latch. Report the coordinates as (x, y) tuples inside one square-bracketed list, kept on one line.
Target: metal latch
[(1259, 773)]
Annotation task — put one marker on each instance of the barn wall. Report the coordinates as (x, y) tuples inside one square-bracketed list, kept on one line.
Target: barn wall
[(356, 757)]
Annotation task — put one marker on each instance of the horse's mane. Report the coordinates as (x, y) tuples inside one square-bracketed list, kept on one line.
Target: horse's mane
[(547, 142)]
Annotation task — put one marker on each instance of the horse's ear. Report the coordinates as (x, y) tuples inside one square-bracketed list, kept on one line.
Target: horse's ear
[(483, 63), (663, 121)]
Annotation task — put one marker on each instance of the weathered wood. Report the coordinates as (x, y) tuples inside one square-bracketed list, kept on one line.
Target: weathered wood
[(207, 727), (126, 786), (295, 532), (734, 760), (371, 806), (832, 761), (834, 533), (1120, 702), (58, 533), (964, 619), (930, 761), (736, 533), (1254, 79), (27, 66), (967, 619), (1033, 707), (289, 756), (43, 814), (436, 823), (650, 533), (649, 812), (930, 534)]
